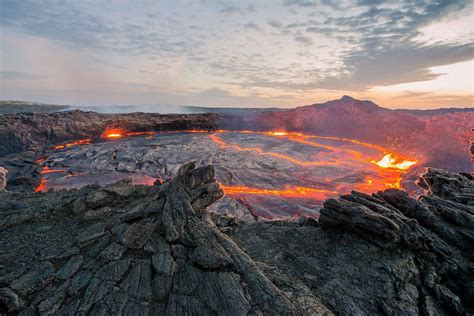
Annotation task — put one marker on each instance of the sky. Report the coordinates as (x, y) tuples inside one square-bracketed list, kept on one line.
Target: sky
[(267, 53)]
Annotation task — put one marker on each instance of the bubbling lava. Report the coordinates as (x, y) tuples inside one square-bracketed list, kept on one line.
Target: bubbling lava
[(389, 169), (389, 161)]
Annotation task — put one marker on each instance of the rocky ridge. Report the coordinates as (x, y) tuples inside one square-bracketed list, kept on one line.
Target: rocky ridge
[(27, 131), (124, 249)]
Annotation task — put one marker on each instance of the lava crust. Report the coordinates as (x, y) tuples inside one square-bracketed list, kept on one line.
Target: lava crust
[(269, 174)]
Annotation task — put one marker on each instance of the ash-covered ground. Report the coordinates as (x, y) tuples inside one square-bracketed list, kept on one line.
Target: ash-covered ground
[(264, 174)]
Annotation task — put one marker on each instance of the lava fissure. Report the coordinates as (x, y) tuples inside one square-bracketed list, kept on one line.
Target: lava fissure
[(287, 192)]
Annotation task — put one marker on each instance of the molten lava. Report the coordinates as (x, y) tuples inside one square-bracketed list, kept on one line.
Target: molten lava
[(120, 132), (46, 170), (365, 170), (113, 133), (74, 143), (389, 161), (287, 192), (42, 186), (389, 175)]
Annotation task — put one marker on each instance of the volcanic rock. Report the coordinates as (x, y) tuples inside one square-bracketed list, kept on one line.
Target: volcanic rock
[(381, 253), (21, 131), (369, 254)]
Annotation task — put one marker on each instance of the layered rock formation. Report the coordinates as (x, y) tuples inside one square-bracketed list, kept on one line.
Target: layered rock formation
[(124, 249), (22, 131)]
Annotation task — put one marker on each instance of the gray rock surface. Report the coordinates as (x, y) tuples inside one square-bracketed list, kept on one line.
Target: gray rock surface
[(158, 251)]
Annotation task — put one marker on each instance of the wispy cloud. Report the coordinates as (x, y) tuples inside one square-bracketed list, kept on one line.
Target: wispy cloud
[(233, 9)]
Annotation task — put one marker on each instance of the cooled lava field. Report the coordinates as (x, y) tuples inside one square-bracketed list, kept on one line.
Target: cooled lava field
[(264, 174)]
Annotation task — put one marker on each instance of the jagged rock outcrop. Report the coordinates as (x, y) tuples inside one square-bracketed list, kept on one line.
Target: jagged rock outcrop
[(23, 131), (385, 253), (128, 250), (124, 249)]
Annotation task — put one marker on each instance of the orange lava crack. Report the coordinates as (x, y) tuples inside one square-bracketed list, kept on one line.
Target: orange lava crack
[(287, 192)]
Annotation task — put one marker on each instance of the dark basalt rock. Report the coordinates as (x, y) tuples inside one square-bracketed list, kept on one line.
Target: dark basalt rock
[(155, 250), (382, 253), (170, 260)]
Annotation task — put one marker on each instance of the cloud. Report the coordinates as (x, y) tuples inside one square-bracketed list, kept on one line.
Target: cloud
[(231, 9), (17, 75), (303, 39), (275, 24), (76, 26), (328, 44), (252, 26), (386, 52), (392, 66), (214, 93), (301, 3)]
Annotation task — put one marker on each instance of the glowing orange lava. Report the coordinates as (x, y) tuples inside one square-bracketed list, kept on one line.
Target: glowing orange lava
[(46, 170), (42, 186), (389, 175), (382, 173), (120, 132), (113, 133), (390, 161), (287, 192), (74, 143)]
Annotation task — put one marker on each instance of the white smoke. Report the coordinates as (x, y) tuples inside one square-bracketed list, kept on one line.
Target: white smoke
[(160, 108)]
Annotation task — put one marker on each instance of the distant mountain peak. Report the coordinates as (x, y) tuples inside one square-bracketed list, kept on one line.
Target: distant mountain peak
[(347, 98)]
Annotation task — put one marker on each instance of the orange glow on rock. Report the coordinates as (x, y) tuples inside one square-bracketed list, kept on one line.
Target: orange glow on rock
[(46, 170), (74, 143), (278, 133), (42, 186), (113, 133)]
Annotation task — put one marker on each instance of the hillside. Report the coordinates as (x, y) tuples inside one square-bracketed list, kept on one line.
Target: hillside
[(8, 106)]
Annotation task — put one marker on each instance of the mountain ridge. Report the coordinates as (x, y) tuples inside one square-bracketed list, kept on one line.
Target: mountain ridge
[(27, 106)]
